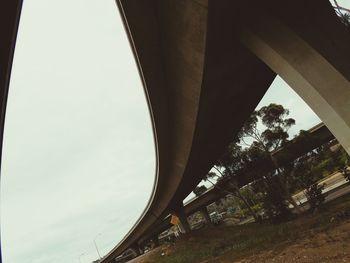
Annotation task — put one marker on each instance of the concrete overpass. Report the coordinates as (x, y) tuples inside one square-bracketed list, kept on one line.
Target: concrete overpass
[(9, 13), (194, 205), (201, 61), (9, 19), (317, 136)]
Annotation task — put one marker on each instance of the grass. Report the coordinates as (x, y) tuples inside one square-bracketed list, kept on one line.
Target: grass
[(236, 242), (212, 242)]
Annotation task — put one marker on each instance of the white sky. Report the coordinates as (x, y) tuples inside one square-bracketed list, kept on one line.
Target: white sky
[(78, 156), (77, 137)]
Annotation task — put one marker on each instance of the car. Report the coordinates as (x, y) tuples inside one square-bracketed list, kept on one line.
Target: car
[(215, 217)]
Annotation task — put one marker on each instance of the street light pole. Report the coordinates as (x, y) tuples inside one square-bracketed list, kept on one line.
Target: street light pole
[(80, 257), (98, 252)]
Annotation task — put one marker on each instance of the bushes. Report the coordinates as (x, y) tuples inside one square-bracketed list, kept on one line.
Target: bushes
[(274, 198), (276, 206), (346, 173), (314, 195), (326, 166)]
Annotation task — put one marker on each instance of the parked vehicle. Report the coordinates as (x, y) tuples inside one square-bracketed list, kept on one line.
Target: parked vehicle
[(126, 256), (216, 218)]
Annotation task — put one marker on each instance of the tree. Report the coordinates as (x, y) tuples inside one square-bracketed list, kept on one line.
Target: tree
[(226, 179), (314, 195), (274, 118), (344, 163), (345, 19), (308, 172), (345, 172), (343, 14), (274, 201), (275, 135)]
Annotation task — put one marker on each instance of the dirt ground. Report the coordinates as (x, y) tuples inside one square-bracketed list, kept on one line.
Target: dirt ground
[(329, 246), (319, 237)]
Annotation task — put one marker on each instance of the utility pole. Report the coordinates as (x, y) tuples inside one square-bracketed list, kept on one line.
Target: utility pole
[(98, 252), (82, 254)]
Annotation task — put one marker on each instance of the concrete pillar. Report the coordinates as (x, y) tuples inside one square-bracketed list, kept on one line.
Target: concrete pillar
[(184, 225), (155, 241), (309, 48), (204, 212), (136, 250)]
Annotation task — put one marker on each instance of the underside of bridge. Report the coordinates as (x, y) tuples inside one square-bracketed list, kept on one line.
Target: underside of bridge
[(9, 13), (204, 62), (194, 78)]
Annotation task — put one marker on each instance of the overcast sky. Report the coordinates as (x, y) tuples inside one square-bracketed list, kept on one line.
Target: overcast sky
[(78, 150), (78, 156)]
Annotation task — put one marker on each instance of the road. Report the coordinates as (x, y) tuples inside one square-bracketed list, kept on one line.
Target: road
[(331, 182), (335, 186)]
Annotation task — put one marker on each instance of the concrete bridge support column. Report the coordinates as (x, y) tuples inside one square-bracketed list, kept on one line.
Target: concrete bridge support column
[(136, 250), (309, 48), (204, 212), (155, 241), (184, 225)]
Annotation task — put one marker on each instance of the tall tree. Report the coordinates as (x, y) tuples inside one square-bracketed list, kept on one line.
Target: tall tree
[(307, 173), (227, 174), (268, 139), (343, 13)]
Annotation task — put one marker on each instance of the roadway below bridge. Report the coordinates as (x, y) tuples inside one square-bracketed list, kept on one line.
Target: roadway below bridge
[(334, 181), (335, 186)]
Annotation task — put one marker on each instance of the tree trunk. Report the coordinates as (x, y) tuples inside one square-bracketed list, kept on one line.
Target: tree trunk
[(251, 211), (290, 198), (238, 195)]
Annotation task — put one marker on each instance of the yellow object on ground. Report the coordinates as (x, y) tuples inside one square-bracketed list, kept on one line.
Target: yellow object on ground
[(174, 220)]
